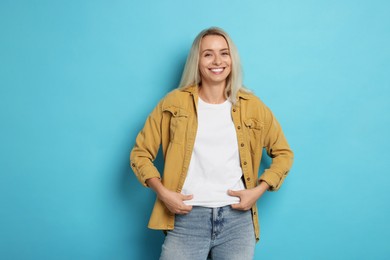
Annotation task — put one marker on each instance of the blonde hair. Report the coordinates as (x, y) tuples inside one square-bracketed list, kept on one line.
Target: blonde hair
[(191, 75)]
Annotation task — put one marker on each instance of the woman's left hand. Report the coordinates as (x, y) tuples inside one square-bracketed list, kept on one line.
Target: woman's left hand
[(248, 197)]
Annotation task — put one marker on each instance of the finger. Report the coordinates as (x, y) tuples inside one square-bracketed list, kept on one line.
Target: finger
[(184, 211), (234, 193), (187, 197), (236, 206), (187, 208), (183, 208)]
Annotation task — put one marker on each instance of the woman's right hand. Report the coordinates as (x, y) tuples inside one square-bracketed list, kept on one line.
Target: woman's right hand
[(172, 200)]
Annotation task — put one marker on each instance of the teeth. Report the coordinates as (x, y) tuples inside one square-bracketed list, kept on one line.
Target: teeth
[(217, 70)]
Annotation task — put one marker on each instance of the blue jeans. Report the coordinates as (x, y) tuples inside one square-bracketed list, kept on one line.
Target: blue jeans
[(220, 233)]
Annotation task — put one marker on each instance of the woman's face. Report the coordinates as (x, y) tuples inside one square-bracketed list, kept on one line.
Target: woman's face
[(214, 60)]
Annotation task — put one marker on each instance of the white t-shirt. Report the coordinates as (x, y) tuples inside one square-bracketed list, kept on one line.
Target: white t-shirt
[(215, 165)]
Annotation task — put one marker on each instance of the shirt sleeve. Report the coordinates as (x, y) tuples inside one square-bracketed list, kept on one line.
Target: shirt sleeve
[(146, 147), (280, 152)]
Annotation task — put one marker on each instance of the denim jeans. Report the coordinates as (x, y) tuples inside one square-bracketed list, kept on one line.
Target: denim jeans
[(219, 233)]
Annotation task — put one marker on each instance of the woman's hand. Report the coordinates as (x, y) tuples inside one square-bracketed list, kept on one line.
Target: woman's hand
[(248, 197), (172, 200)]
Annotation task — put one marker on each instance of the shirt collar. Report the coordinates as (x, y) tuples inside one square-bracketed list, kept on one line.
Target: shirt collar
[(194, 90)]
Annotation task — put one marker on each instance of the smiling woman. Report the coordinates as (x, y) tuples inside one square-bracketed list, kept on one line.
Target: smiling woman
[(212, 132), (214, 65)]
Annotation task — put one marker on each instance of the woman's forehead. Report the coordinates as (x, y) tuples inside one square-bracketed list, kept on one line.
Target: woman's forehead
[(213, 42)]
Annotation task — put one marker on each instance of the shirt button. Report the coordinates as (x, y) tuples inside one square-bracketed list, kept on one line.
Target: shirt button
[(248, 179), (175, 113), (244, 163), (242, 144), (238, 127), (234, 110), (133, 164)]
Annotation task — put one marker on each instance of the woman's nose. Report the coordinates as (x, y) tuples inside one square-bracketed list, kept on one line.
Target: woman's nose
[(217, 60)]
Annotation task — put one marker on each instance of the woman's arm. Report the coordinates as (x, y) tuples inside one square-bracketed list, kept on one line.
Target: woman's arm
[(278, 149), (146, 147), (172, 200), (249, 197), (141, 160)]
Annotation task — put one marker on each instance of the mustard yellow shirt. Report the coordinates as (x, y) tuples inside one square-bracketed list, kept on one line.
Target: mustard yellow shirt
[(173, 125)]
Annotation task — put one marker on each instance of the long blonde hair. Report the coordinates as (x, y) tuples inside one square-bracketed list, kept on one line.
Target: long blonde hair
[(191, 75)]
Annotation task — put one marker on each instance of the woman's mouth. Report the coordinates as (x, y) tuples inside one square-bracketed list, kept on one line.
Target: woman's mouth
[(217, 70)]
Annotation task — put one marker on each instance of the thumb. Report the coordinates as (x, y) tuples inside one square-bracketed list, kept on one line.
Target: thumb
[(236, 206), (186, 197), (234, 193)]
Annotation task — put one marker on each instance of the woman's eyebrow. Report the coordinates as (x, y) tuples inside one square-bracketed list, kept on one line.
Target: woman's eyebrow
[(224, 49)]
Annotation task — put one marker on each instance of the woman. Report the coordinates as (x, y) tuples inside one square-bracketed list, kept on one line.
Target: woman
[(212, 132)]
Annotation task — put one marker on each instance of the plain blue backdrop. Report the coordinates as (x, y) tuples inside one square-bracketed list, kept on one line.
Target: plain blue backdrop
[(78, 79)]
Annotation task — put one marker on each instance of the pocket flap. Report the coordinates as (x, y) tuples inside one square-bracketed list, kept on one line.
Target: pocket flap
[(176, 111), (253, 123)]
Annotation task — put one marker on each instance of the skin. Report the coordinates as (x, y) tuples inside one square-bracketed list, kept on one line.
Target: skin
[(214, 66)]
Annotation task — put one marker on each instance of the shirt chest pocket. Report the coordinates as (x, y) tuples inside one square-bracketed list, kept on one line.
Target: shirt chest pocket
[(254, 129), (178, 124)]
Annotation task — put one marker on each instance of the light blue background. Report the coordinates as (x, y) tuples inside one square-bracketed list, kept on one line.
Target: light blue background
[(78, 79)]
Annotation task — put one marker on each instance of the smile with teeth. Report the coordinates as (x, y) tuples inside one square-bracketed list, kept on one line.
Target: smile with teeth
[(217, 70)]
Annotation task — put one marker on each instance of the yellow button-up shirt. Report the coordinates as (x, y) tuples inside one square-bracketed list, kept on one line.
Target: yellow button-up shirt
[(173, 125)]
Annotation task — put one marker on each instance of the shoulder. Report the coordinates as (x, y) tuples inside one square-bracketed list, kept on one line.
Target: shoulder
[(253, 107), (175, 95), (177, 98), (251, 99)]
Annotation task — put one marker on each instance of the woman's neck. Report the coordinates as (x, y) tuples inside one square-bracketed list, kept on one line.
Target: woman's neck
[(212, 94)]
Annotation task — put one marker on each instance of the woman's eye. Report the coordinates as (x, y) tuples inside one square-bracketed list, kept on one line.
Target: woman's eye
[(207, 55), (225, 53)]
